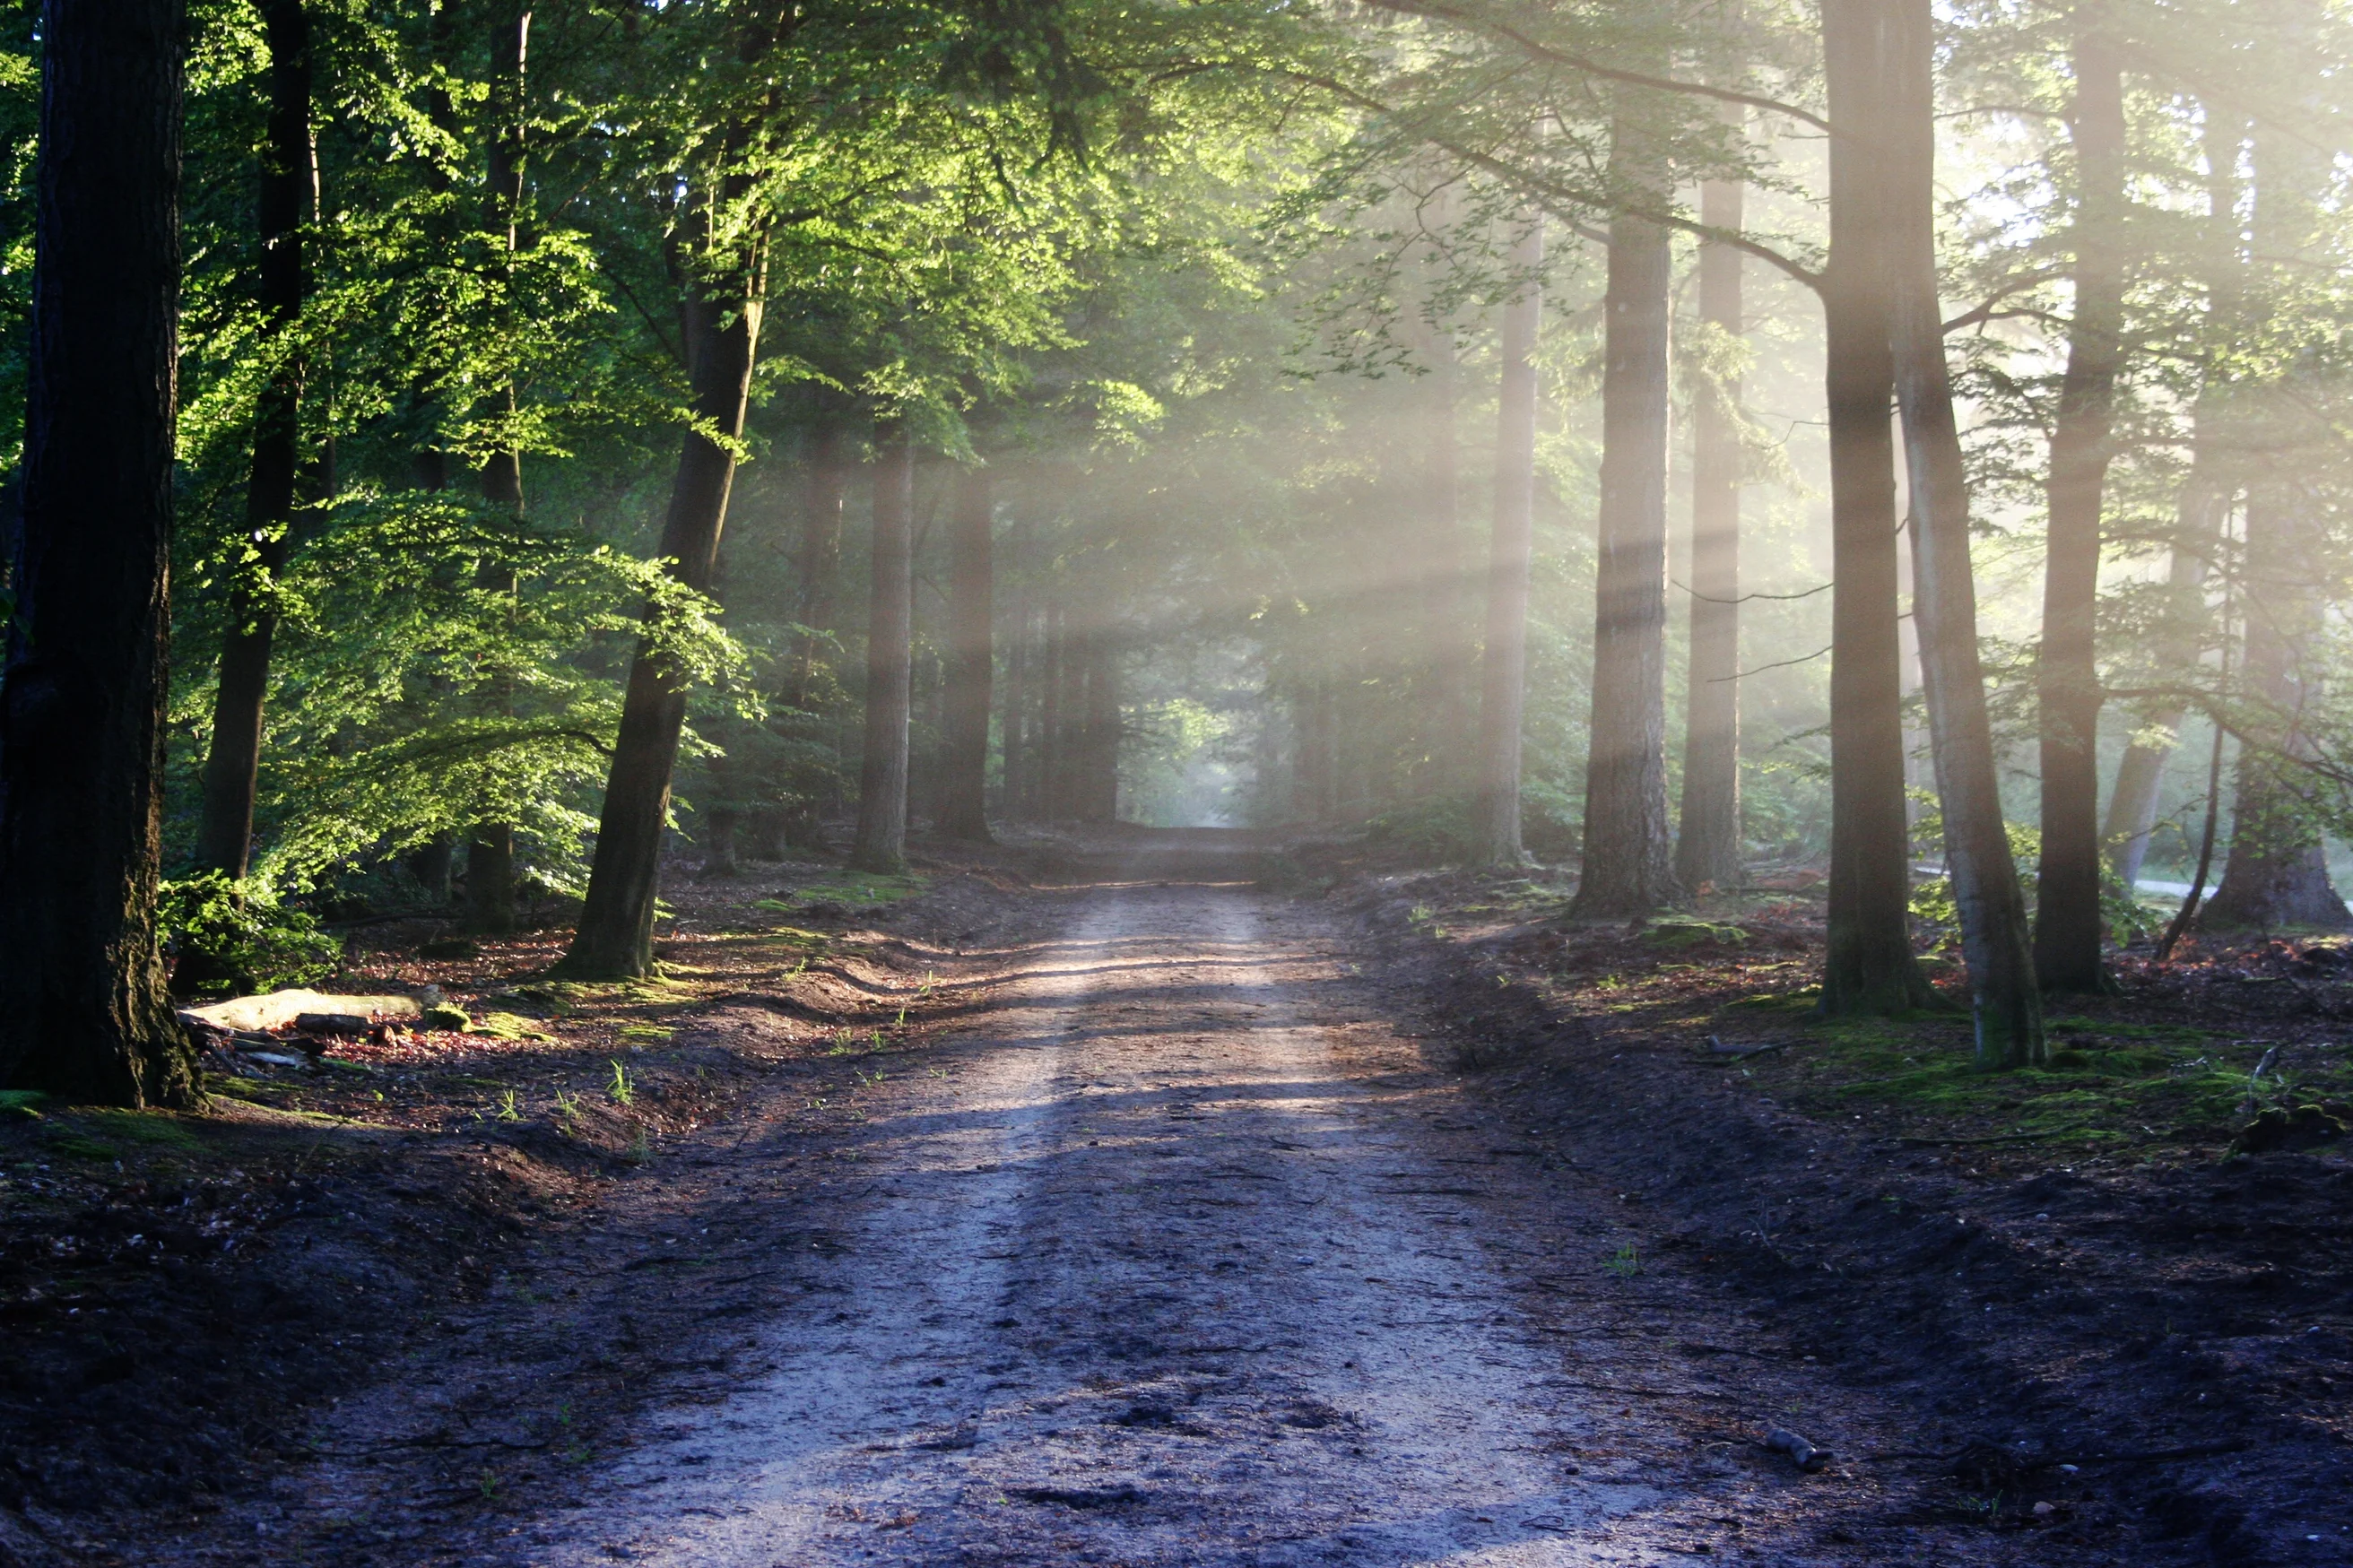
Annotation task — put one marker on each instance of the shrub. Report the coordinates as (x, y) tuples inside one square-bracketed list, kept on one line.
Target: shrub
[(223, 937)]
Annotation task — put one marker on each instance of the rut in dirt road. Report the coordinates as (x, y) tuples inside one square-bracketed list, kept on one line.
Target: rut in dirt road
[(1145, 1280)]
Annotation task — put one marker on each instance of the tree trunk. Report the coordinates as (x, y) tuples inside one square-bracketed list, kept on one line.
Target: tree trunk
[(2275, 875), (971, 656), (1707, 843), (616, 921), (1502, 673), (83, 1010), (489, 852), (232, 769), (1869, 968), (1019, 753), (881, 840), (1100, 798), (1053, 754), (1628, 868), (2201, 515), (2068, 925), (1994, 936)]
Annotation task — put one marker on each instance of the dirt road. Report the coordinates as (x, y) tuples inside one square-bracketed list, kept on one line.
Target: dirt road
[(1173, 1258)]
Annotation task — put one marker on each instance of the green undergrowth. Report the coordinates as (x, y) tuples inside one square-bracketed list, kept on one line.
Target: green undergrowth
[(856, 890), (2106, 1083)]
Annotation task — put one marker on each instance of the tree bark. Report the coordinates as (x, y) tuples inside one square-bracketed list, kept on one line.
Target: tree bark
[(972, 656), (1019, 757), (1099, 801), (490, 850), (2068, 925), (1628, 868), (881, 840), (1707, 843), (616, 921), (2275, 875), (1502, 672), (1869, 968), (1994, 936), (232, 769), (83, 1010), (1052, 752)]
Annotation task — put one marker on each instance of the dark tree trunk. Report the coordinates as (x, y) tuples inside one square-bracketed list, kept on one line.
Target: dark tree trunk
[(1017, 750), (1994, 936), (1707, 843), (431, 864), (972, 656), (881, 840), (617, 920), (1503, 673), (2068, 925), (83, 1010), (2275, 875), (1869, 967), (232, 769), (2202, 514), (1628, 868), (1052, 752), (490, 851), (1099, 798)]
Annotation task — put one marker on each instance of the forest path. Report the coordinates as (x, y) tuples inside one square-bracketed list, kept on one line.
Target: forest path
[(1174, 1257)]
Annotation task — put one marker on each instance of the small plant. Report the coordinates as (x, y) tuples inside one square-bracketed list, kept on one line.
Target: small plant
[(1626, 1262), (641, 1146), (510, 1107), (621, 1091), (567, 1106), (223, 936), (489, 1483)]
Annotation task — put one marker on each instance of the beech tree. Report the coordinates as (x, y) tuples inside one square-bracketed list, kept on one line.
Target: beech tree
[(83, 1010)]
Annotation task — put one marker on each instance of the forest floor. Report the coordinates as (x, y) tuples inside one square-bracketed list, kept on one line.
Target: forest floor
[(1155, 1200)]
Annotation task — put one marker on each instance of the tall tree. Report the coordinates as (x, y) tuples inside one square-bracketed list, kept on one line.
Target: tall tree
[(1994, 936), (972, 607), (83, 1009), (232, 769), (1869, 967), (1707, 841), (1628, 861), (2276, 875), (725, 289), (881, 837), (2069, 923), (1504, 668)]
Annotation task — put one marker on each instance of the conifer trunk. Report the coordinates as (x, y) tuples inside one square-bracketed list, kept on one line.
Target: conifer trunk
[(2069, 926), (615, 940), (232, 768), (1628, 868), (1051, 749), (1502, 672), (1099, 796), (1994, 936), (1707, 841), (1869, 968), (84, 1014), (971, 656), (881, 838), (1450, 714)]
